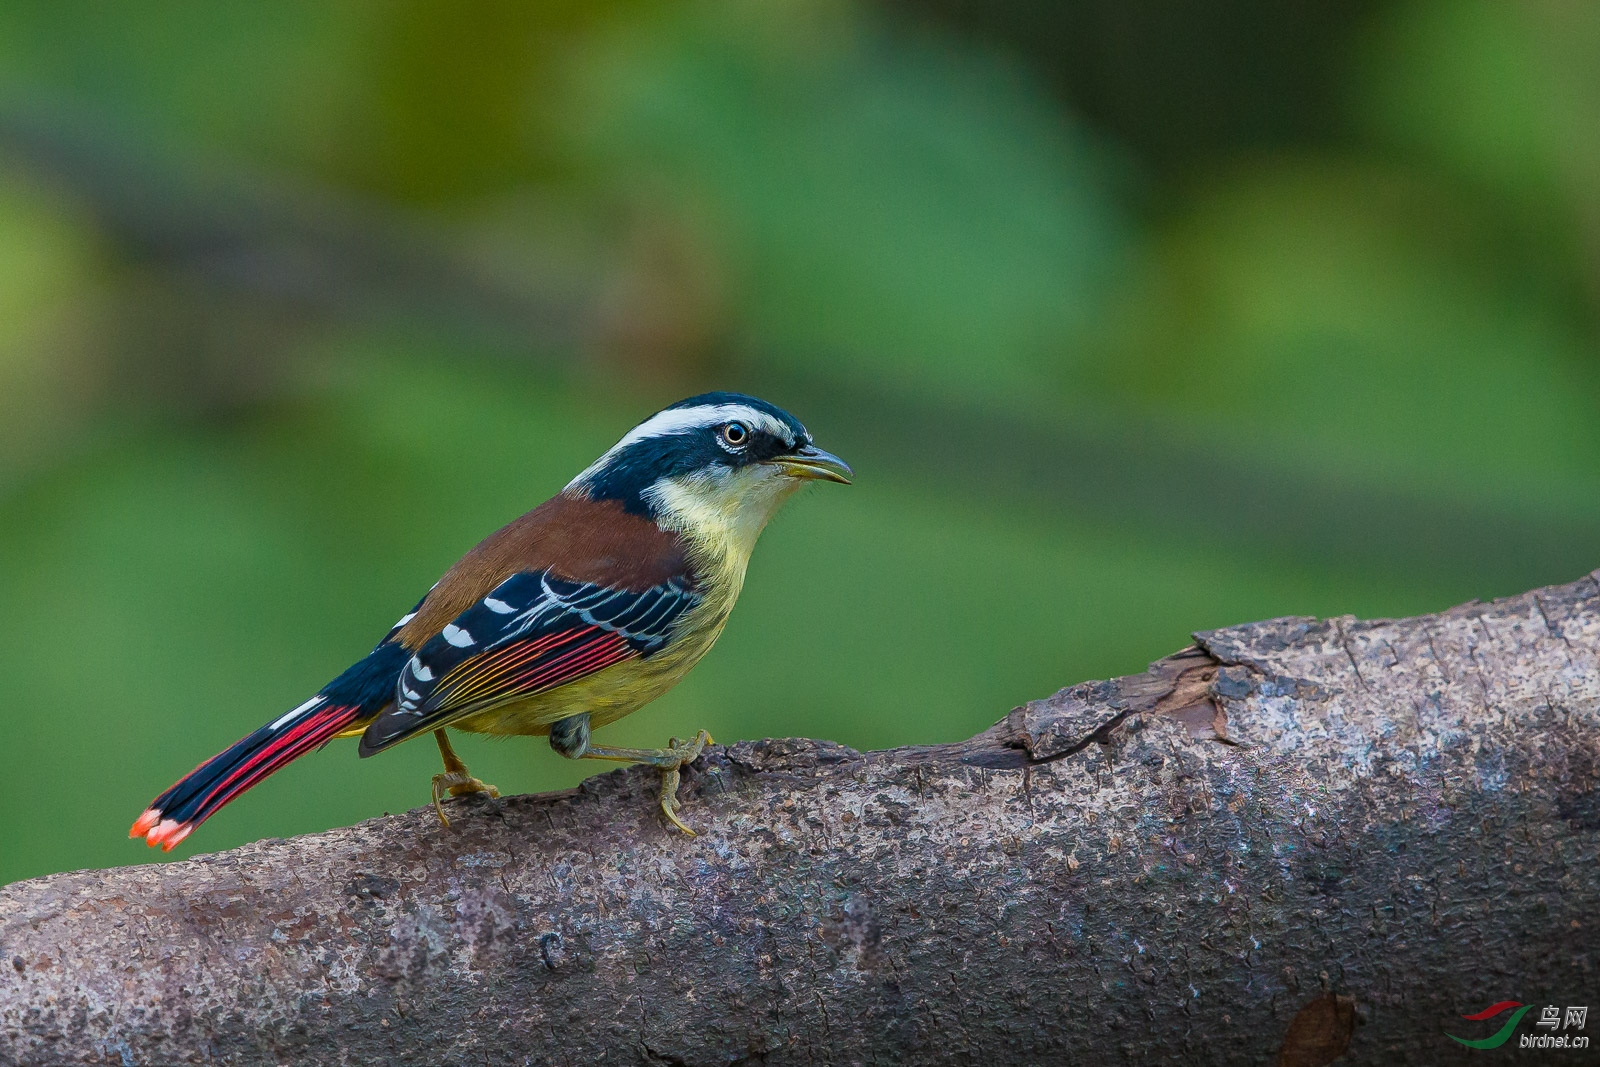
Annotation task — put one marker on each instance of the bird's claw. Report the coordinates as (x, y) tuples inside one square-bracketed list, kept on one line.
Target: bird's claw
[(683, 754), (457, 784)]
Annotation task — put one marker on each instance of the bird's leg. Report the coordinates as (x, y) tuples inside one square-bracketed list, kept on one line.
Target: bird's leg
[(455, 778), (570, 737)]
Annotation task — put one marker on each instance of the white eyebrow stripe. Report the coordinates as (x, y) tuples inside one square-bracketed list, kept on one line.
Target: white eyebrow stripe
[(683, 420)]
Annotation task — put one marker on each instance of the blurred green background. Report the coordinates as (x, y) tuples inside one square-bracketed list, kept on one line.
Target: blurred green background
[(1135, 318)]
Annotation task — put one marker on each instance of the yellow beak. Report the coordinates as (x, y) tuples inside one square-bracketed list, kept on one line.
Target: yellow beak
[(813, 462)]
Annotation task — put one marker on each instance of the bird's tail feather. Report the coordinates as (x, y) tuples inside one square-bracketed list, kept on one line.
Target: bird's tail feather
[(198, 795)]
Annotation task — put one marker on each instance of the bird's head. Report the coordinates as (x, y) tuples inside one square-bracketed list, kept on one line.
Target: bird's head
[(718, 464)]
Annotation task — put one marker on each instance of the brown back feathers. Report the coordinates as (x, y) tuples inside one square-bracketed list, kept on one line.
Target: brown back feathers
[(572, 537)]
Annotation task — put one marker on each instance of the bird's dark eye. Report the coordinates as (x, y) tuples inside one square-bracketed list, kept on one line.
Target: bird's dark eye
[(735, 435)]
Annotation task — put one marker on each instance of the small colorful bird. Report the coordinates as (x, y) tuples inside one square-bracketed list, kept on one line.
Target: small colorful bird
[(583, 610)]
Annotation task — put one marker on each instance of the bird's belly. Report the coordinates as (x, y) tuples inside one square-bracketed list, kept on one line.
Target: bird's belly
[(608, 694)]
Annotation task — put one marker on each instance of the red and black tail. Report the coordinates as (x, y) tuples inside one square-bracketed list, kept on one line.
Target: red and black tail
[(365, 688), (173, 815)]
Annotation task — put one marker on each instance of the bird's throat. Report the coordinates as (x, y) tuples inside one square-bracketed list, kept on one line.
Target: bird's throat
[(721, 518)]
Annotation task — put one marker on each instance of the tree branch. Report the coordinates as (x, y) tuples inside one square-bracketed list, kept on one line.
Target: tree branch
[(1294, 827)]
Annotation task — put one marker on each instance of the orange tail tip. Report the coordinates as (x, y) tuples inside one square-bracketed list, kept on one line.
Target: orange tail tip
[(145, 822), (167, 833)]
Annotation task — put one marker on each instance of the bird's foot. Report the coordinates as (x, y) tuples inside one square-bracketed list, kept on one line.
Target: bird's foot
[(676, 756), (573, 742), (457, 784)]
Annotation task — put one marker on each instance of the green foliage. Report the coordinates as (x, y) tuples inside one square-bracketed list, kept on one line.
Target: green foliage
[(1320, 315), (889, 207)]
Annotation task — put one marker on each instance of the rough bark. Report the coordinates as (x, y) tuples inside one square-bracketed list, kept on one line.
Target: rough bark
[(1328, 832)]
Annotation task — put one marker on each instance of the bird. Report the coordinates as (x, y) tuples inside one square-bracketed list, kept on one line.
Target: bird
[(582, 611)]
